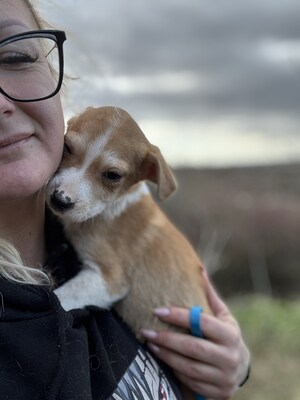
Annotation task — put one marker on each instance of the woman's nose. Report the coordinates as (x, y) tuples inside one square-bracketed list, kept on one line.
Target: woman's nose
[(7, 106)]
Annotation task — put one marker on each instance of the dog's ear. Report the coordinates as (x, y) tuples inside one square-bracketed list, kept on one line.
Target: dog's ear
[(156, 170), (70, 121)]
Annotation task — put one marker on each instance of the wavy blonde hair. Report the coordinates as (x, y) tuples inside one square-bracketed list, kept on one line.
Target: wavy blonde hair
[(41, 23), (13, 269)]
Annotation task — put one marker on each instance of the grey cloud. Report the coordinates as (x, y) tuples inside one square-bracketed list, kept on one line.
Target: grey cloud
[(218, 41), (177, 33)]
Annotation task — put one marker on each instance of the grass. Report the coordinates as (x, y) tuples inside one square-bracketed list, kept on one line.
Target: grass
[(271, 330)]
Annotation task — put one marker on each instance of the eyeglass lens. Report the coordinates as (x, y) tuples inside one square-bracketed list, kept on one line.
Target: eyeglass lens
[(29, 68)]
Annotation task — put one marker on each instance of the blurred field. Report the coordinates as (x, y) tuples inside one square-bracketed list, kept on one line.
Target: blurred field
[(271, 329), (245, 224)]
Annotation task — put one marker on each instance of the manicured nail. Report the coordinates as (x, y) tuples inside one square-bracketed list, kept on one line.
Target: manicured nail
[(153, 348), (162, 312), (149, 334)]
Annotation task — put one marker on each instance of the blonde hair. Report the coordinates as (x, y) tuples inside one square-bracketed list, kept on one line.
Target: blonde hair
[(41, 23), (12, 268)]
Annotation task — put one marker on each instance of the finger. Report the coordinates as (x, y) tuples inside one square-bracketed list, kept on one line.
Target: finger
[(220, 331), (217, 305), (190, 368), (213, 329), (174, 316), (186, 345)]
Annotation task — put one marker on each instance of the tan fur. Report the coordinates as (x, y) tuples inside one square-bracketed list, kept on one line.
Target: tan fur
[(139, 252), (142, 250)]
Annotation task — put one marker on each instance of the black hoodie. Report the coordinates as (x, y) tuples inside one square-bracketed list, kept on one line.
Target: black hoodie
[(47, 353)]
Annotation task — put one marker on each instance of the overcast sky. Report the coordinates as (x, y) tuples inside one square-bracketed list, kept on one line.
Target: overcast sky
[(212, 82)]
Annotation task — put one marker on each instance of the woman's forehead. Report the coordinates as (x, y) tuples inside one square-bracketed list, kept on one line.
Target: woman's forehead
[(15, 17)]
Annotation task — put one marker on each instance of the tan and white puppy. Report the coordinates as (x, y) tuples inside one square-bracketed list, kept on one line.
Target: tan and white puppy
[(133, 257)]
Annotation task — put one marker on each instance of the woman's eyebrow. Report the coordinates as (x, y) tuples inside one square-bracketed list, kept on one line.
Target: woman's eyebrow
[(12, 22)]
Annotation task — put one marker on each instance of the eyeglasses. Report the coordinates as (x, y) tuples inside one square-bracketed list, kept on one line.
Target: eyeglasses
[(31, 65)]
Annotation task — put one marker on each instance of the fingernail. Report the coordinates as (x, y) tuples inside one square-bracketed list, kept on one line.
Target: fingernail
[(153, 348), (162, 312), (149, 334)]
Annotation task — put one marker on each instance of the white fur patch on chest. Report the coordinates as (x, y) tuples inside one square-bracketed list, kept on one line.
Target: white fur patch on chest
[(87, 288)]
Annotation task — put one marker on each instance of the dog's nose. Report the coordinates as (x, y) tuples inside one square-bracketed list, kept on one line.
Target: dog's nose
[(61, 202)]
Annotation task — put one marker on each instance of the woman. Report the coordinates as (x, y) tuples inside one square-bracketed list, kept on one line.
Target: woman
[(46, 353)]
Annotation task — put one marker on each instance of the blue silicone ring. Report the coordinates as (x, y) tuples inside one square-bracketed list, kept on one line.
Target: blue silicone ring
[(195, 328), (200, 397), (195, 321)]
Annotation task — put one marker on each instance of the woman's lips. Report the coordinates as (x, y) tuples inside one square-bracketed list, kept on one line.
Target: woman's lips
[(13, 140)]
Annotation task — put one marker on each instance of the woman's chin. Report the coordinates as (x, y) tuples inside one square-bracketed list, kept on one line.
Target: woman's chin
[(23, 180)]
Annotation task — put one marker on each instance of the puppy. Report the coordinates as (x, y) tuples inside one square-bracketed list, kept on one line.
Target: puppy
[(133, 258)]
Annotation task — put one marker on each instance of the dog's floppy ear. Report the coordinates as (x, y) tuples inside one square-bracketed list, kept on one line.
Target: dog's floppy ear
[(70, 121), (155, 169)]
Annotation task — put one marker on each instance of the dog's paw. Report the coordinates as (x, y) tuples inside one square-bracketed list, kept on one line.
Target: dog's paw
[(87, 288), (68, 300)]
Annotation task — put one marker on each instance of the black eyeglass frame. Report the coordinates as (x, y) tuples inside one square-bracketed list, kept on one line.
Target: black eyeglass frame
[(58, 37)]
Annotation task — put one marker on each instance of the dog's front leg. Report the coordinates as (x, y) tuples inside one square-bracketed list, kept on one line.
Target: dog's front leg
[(87, 288)]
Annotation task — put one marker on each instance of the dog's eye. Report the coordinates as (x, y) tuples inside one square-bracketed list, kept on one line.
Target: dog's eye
[(112, 176)]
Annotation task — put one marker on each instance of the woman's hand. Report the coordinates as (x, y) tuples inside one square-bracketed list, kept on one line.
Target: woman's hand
[(214, 366)]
